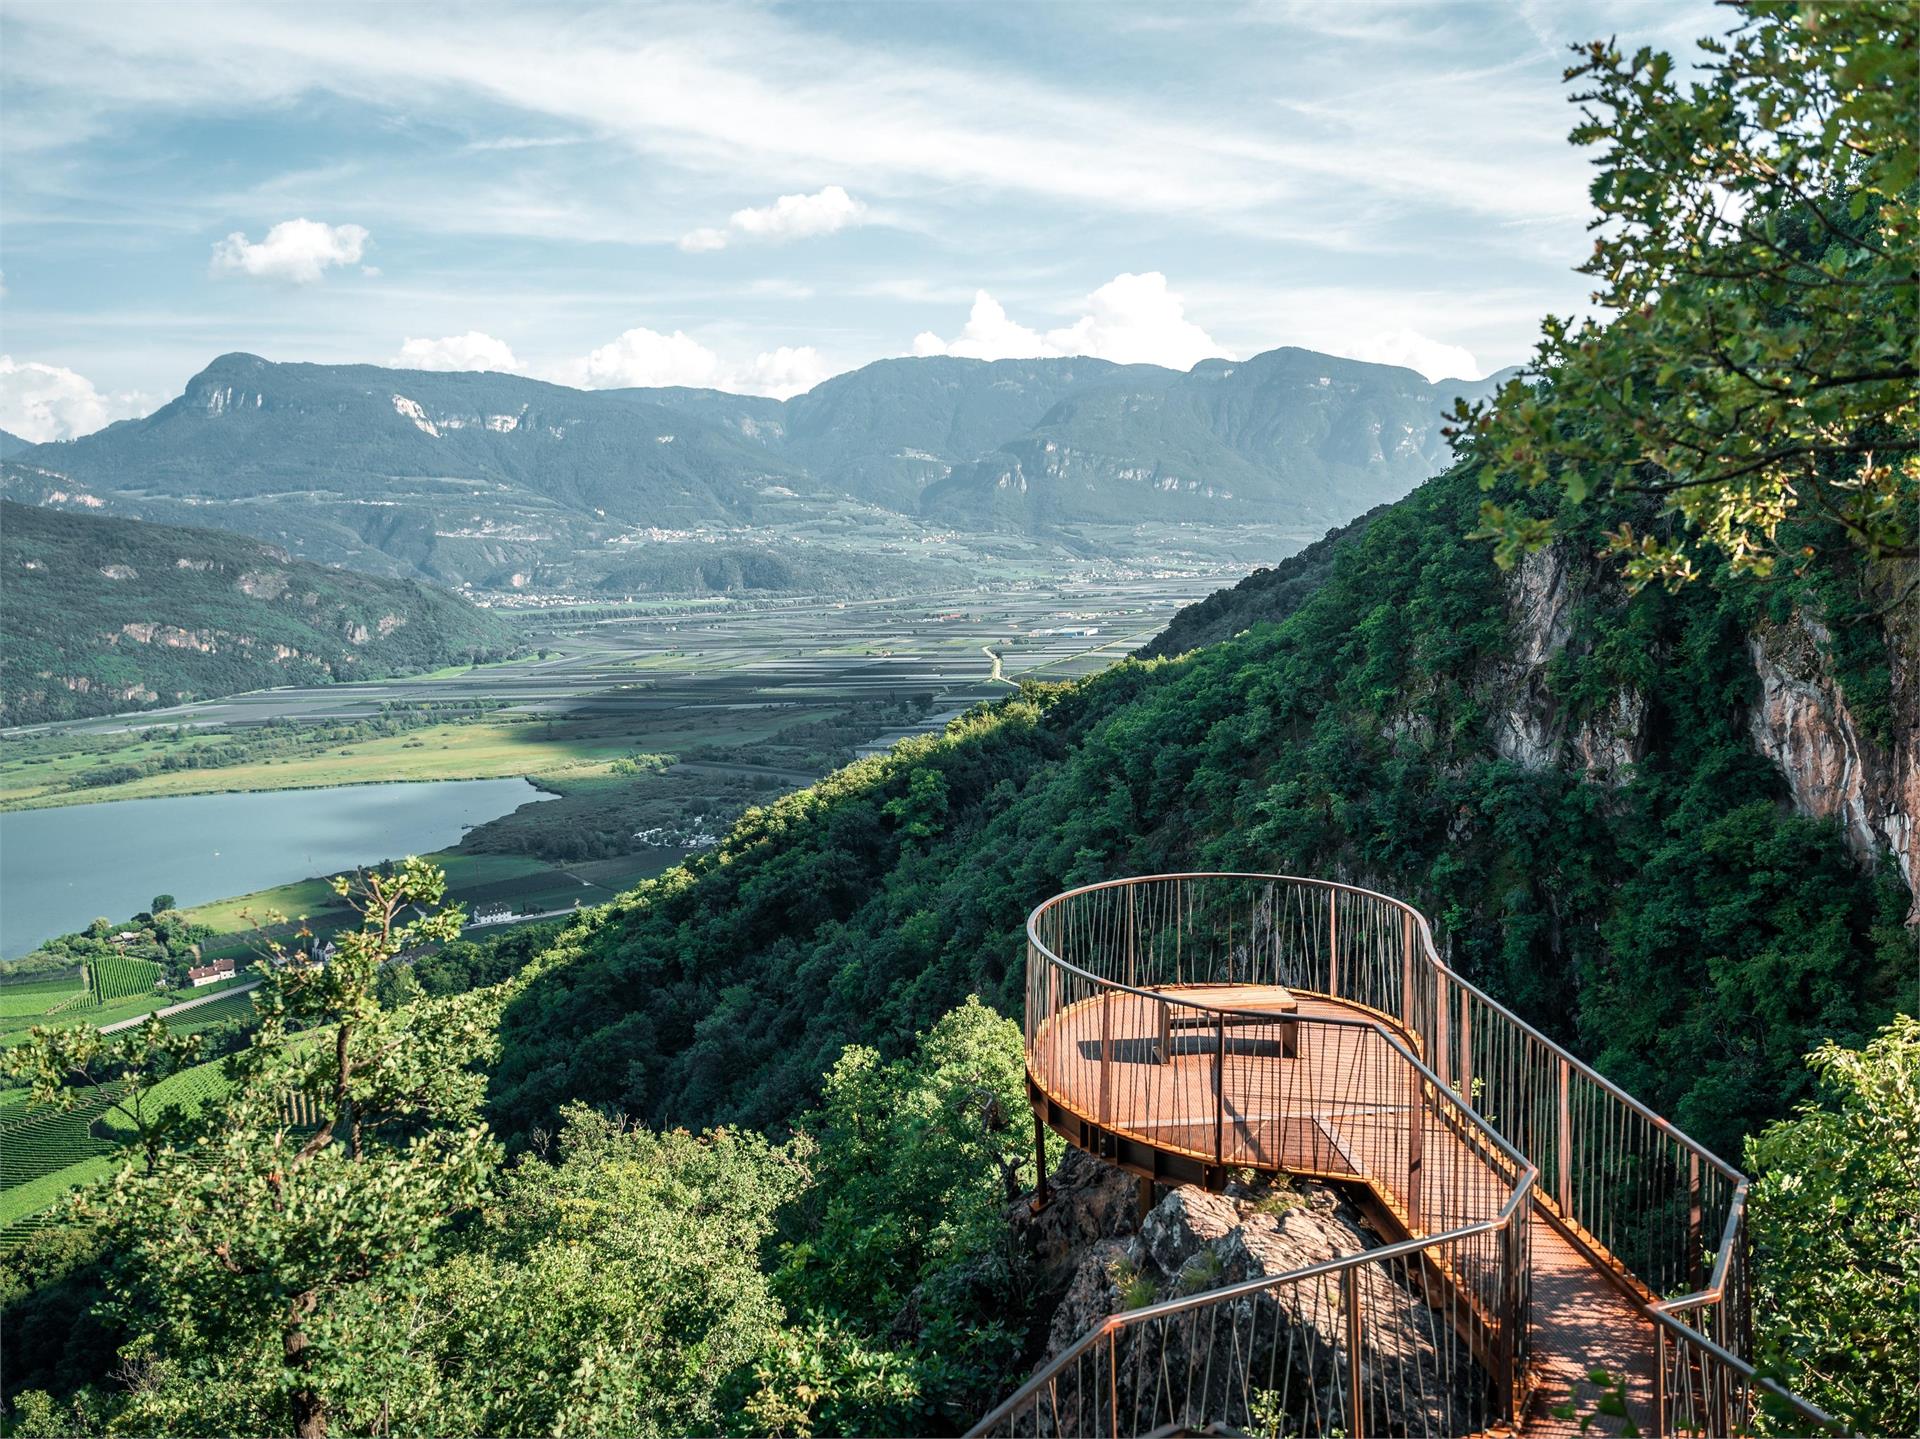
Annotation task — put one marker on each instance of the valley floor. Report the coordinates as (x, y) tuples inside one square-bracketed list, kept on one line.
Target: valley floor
[(650, 728)]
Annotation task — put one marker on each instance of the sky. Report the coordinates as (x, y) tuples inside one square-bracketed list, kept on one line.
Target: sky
[(757, 196)]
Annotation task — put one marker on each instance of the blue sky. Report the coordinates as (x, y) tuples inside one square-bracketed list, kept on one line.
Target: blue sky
[(757, 196)]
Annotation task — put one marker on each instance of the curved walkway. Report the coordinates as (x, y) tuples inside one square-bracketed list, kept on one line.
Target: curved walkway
[(1335, 1108), (1187, 1026)]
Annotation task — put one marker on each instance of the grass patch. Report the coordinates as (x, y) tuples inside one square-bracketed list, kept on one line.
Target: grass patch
[(1136, 1289)]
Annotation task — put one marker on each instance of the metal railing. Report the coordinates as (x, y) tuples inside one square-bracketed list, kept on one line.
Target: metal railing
[(1447, 1105)]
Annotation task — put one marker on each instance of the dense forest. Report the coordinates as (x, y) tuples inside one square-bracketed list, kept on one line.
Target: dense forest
[(104, 615)]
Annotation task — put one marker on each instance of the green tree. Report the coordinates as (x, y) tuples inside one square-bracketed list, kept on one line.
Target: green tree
[(160, 903), (903, 1236), (617, 1291), (257, 1262), (1836, 1231), (1755, 257)]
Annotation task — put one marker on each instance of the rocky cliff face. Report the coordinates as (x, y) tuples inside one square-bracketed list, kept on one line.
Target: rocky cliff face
[(1088, 1248), (1834, 768), (1529, 726), (1800, 716)]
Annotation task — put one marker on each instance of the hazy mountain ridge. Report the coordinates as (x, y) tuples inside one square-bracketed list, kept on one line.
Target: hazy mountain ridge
[(500, 481), (103, 614), (1290, 431)]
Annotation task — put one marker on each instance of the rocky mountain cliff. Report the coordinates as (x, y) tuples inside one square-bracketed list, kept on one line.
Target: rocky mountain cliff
[(1801, 708)]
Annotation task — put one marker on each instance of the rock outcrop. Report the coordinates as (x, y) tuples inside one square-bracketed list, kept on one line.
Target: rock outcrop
[(1530, 727), (1191, 1365), (1834, 767)]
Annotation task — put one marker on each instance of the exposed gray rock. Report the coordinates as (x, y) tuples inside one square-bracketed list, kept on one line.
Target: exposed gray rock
[(1526, 724), (1090, 1202), (1610, 742), (1181, 1224), (1529, 725), (1834, 769), (1189, 1367)]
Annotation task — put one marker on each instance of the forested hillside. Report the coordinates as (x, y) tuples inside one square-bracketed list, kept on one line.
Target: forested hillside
[(1564, 777), (1268, 595), (103, 615)]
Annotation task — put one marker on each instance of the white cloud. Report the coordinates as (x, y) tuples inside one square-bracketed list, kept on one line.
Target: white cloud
[(791, 217), (1432, 358), (1132, 319), (471, 351), (48, 402), (795, 217), (1136, 319), (297, 251), (644, 358), (789, 370), (987, 335)]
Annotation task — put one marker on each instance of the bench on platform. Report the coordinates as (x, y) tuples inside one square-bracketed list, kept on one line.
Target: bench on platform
[(1251, 1003)]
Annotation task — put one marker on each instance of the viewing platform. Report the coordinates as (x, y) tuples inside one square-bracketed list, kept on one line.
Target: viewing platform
[(1538, 1222)]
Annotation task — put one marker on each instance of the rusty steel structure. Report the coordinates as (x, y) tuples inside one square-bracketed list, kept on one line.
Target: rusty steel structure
[(1496, 1164)]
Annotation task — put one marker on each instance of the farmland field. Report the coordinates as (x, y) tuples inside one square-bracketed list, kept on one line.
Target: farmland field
[(37, 1140), (34, 998), (189, 1089)]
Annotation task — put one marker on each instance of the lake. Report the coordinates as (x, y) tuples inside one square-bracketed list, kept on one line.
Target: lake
[(59, 868)]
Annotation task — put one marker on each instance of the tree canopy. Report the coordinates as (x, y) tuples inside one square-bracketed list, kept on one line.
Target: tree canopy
[(1756, 259), (1835, 1235)]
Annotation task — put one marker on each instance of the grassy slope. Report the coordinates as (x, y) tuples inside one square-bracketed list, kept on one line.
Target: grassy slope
[(537, 749)]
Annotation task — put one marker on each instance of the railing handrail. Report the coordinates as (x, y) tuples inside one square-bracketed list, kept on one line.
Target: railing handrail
[(1715, 1287), (1431, 955), (1146, 1313), (1432, 1027), (1686, 1333)]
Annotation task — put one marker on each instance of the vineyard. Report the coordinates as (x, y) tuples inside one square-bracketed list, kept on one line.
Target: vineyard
[(33, 998), (218, 1011), (118, 977), (189, 1089), (46, 1152), (40, 1139)]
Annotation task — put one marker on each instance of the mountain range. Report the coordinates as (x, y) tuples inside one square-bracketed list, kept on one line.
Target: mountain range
[(499, 482)]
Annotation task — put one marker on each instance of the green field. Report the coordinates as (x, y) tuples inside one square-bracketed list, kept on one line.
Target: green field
[(26, 1203), (515, 880), (37, 1140), (14, 1027), (34, 998), (446, 751), (189, 1089)]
